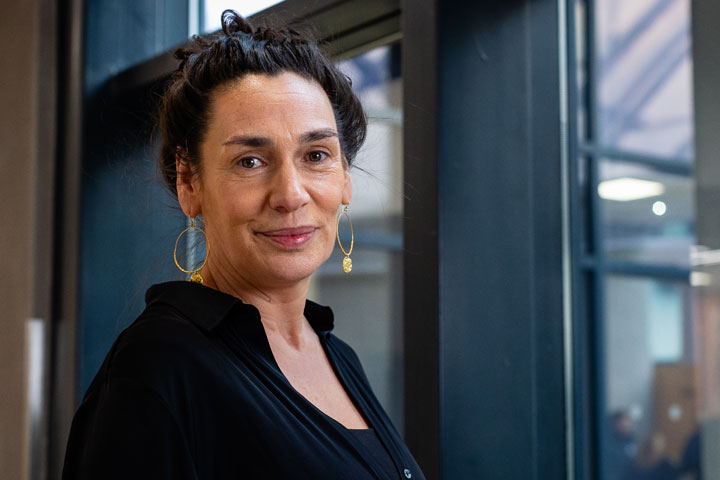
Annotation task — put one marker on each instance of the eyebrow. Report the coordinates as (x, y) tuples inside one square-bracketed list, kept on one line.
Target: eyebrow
[(315, 135), (259, 142), (249, 141)]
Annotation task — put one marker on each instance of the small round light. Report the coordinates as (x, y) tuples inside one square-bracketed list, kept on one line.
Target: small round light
[(659, 208)]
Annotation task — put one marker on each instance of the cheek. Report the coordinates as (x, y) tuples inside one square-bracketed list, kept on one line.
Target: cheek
[(329, 215), (326, 214), (328, 240), (328, 192), (230, 204)]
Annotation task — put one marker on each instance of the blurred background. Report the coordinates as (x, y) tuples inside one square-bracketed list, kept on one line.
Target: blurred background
[(535, 289)]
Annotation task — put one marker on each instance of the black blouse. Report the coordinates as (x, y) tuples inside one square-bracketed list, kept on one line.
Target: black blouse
[(374, 449), (191, 390)]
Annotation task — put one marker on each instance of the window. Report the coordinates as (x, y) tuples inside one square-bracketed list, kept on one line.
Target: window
[(368, 301), (635, 225)]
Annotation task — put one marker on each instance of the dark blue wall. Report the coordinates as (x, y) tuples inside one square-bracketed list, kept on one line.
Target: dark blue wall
[(500, 219), (129, 223), (483, 238)]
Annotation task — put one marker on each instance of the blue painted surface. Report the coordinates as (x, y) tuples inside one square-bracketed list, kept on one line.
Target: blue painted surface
[(129, 223), (500, 237)]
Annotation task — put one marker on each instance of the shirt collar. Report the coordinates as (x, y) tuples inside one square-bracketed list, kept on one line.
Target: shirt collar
[(207, 307)]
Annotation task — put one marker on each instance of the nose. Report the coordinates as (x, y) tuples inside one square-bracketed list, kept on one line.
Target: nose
[(287, 192)]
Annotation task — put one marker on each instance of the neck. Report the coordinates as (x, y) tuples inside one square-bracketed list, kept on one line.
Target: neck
[(281, 308)]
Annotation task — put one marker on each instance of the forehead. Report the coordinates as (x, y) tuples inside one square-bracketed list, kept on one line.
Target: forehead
[(262, 104)]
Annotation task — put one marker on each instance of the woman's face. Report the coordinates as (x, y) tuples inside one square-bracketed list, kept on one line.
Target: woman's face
[(271, 181)]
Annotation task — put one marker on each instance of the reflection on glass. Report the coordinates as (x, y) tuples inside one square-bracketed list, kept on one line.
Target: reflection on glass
[(659, 208), (647, 216), (581, 73), (368, 301), (644, 70), (651, 402)]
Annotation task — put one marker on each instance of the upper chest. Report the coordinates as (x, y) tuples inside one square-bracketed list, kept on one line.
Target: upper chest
[(311, 374)]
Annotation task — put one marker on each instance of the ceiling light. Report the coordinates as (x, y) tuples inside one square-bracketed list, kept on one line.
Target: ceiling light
[(659, 208), (700, 279), (704, 256), (626, 189)]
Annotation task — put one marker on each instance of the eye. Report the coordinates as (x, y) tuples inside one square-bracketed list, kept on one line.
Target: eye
[(250, 162), (317, 156)]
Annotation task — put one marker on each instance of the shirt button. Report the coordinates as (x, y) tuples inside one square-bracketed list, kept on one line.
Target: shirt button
[(407, 473)]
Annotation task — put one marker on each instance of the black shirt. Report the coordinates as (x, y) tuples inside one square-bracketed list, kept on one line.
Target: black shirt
[(191, 390), (374, 449)]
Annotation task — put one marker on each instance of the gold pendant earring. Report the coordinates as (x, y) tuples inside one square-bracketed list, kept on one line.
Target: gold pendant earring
[(347, 262), (194, 274)]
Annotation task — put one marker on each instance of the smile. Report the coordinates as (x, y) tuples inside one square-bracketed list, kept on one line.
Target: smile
[(290, 237)]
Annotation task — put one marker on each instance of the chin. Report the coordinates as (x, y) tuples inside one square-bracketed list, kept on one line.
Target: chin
[(294, 269)]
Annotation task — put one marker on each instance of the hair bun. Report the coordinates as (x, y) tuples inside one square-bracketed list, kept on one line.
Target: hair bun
[(233, 22)]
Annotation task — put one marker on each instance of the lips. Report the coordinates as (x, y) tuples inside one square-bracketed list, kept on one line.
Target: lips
[(290, 237)]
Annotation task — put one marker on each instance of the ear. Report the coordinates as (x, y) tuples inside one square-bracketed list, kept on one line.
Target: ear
[(347, 187), (188, 187)]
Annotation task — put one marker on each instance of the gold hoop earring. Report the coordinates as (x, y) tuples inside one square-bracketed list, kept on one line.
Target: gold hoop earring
[(346, 263), (194, 274)]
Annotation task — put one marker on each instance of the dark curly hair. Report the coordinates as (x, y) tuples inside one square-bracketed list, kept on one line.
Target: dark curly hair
[(240, 49)]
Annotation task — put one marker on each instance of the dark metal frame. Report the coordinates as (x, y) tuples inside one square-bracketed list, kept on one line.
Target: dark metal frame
[(66, 212), (44, 249), (421, 307), (482, 137), (590, 267), (582, 354)]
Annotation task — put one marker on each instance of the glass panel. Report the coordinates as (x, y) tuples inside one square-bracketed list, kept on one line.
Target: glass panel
[(212, 9), (644, 75), (368, 301), (647, 216), (584, 233), (706, 290), (706, 257), (650, 422), (127, 225), (581, 72), (120, 35)]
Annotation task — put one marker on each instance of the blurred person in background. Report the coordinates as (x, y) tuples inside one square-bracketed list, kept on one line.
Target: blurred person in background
[(622, 448)]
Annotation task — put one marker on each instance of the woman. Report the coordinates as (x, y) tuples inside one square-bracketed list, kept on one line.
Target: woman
[(236, 374)]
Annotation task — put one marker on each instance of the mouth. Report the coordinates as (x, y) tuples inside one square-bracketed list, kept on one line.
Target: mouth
[(290, 237)]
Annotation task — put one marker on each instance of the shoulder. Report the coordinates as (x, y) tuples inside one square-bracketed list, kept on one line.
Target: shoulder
[(176, 329), (160, 327), (175, 339), (161, 350)]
